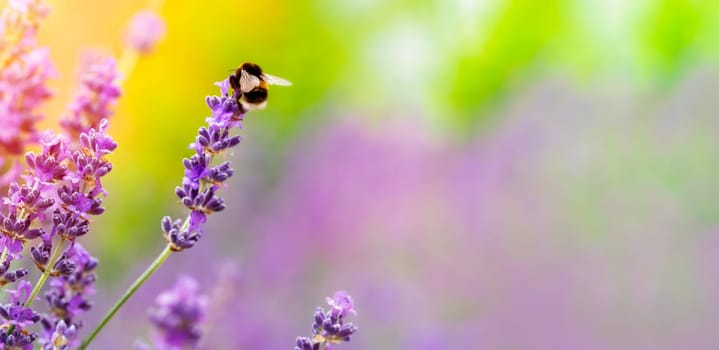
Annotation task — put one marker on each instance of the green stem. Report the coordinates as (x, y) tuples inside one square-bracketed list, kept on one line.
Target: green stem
[(45, 274), (128, 293)]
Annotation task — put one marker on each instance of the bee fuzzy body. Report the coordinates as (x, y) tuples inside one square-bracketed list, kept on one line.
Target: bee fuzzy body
[(251, 86)]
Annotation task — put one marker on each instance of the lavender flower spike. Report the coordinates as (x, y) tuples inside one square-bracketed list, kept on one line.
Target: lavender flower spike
[(329, 326), (198, 191), (178, 316), (202, 180), (67, 298)]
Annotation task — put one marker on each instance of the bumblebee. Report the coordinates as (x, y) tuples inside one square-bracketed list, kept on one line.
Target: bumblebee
[(251, 86)]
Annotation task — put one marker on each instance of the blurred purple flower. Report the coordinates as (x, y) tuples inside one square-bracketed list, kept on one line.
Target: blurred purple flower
[(24, 70), (178, 316), (96, 97), (145, 29), (341, 304)]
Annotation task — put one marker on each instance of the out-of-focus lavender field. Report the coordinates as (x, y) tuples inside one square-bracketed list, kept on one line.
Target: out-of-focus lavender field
[(581, 220), (476, 174)]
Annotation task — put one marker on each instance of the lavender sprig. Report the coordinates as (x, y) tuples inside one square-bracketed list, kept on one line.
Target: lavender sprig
[(67, 298), (178, 315), (198, 191), (329, 327), (79, 195)]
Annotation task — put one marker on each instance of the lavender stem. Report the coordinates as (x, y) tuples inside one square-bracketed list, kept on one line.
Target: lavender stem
[(128, 293), (45, 274)]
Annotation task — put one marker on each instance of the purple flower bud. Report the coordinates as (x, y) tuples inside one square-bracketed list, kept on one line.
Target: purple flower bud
[(213, 101), (196, 167), (63, 267), (180, 238), (79, 202), (304, 343), (44, 167), (69, 225), (28, 197), (220, 173), (204, 201), (41, 253), (12, 276), (216, 139)]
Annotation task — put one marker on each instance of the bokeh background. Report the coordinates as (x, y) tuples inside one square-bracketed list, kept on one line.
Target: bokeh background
[(477, 174)]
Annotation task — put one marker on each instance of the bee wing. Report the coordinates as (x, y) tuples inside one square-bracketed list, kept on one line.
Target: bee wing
[(248, 81), (273, 80)]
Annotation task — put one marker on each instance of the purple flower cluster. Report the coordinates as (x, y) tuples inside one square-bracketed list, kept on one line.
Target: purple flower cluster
[(97, 95), (67, 297), (178, 315), (50, 205), (62, 190), (202, 179), (329, 327), (17, 318), (24, 70)]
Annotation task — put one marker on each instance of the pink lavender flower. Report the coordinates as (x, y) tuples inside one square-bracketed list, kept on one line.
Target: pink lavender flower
[(22, 89), (202, 179), (97, 96), (178, 316), (329, 327), (48, 166), (146, 28), (24, 70)]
